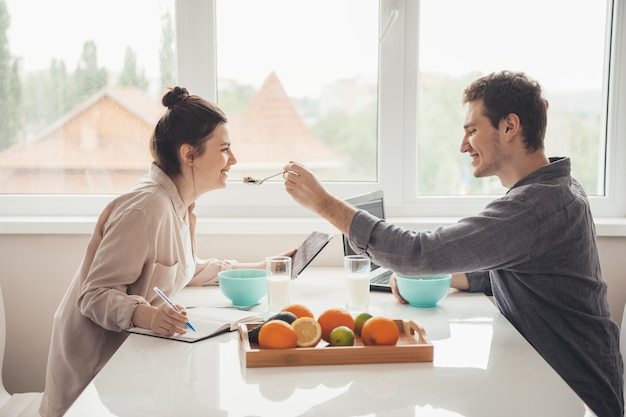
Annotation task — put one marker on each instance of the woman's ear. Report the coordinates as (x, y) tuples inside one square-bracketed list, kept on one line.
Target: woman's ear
[(186, 154)]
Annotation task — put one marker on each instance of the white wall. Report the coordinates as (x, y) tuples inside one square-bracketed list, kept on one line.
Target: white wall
[(36, 270)]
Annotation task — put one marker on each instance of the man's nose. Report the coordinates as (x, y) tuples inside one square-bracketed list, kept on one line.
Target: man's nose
[(464, 145)]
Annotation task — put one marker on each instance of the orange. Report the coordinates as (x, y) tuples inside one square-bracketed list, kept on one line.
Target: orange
[(380, 331), (334, 317), (341, 336), (308, 330), (299, 310), (277, 334)]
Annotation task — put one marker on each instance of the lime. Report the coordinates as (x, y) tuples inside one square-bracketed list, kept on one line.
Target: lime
[(359, 321), (341, 336)]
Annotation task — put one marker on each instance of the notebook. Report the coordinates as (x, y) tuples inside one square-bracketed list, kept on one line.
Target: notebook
[(208, 322), (372, 203)]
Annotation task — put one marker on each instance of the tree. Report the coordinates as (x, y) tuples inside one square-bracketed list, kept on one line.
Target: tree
[(60, 94), (10, 93), (131, 76), (235, 98), (167, 56), (88, 77), (353, 136)]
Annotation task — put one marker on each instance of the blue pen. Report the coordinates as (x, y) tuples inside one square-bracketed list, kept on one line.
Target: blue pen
[(167, 300)]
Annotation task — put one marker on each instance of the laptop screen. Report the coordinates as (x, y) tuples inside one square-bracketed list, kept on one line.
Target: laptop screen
[(372, 203)]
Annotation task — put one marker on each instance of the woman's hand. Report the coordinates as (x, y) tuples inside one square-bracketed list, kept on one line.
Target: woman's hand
[(394, 289), (262, 264), (289, 253), (167, 321)]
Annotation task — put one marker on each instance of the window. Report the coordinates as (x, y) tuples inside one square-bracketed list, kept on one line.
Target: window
[(523, 40), (375, 93), (81, 99), (310, 96)]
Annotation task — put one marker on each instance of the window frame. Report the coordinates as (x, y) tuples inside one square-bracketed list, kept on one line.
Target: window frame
[(398, 80)]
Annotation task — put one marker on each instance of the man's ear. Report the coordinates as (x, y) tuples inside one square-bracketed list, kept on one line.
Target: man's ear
[(511, 125)]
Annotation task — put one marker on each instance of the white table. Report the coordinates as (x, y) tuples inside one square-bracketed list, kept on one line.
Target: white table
[(482, 367)]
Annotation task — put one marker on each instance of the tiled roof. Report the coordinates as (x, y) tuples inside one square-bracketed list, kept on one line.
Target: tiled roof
[(109, 132), (271, 131), (109, 136)]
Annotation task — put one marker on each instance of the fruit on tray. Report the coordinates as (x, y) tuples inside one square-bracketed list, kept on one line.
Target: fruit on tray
[(277, 334), (359, 321), (299, 310), (341, 336), (380, 331), (308, 331), (296, 326), (286, 316), (334, 317)]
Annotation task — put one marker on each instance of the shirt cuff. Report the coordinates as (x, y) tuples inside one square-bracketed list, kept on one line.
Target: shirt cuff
[(479, 282)]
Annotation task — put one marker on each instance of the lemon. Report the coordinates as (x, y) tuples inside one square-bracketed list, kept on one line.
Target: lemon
[(341, 336), (359, 321), (308, 330)]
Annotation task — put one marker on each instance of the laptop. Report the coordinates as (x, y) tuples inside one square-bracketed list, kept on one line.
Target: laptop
[(372, 203)]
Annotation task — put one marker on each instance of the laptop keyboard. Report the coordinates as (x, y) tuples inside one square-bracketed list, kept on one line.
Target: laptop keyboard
[(382, 278)]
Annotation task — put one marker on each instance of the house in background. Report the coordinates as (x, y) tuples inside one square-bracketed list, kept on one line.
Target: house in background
[(270, 133), (103, 146)]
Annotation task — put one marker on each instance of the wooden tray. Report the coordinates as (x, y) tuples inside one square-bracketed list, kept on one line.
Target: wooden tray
[(412, 346)]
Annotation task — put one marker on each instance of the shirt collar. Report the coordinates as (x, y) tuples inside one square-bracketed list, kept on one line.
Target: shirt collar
[(159, 176), (558, 167)]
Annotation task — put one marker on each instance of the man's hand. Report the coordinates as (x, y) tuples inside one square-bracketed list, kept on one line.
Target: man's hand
[(309, 192), (394, 289), (304, 187)]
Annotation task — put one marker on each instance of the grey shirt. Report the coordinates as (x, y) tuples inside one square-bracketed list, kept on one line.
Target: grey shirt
[(535, 248)]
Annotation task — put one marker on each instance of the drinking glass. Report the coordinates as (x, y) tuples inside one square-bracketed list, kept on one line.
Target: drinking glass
[(357, 278), (278, 280)]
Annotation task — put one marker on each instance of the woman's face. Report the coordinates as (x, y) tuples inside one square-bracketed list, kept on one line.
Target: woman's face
[(210, 169)]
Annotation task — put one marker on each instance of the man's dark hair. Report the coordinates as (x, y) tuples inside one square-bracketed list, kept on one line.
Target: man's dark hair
[(509, 92)]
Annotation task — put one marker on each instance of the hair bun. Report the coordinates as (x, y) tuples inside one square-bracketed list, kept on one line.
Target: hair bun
[(174, 96)]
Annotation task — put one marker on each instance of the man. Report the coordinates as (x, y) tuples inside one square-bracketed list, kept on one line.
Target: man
[(534, 248)]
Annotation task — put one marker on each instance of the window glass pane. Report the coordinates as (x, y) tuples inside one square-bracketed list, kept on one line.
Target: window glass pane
[(80, 89), (558, 43), (298, 80)]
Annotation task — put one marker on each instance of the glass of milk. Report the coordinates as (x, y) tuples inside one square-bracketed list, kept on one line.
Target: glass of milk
[(357, 278), (278, 270)]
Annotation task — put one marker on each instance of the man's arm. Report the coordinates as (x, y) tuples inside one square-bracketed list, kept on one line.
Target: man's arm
[(308, 191), (460, 282)]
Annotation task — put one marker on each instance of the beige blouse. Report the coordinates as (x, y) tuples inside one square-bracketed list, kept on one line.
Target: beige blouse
[(137, 244)]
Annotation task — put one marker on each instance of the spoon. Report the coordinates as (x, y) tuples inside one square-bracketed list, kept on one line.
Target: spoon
[(253, 181)]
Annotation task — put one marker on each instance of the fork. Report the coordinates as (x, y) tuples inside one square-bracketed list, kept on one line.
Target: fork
[(252, 181)]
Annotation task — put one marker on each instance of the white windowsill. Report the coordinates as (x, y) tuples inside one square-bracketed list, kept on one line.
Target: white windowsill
[(605, 227)]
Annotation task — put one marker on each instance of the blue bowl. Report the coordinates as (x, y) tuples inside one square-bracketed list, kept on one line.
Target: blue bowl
[(423, 291), (244, 287)]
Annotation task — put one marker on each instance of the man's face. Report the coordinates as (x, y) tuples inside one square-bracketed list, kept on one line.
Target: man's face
[(482, 141)]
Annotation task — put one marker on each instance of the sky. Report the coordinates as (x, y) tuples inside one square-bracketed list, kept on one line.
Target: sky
[(260, 42), (502, 34), (41, 30)]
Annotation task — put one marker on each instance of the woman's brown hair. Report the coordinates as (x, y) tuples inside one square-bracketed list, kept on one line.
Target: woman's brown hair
[(188, 119)]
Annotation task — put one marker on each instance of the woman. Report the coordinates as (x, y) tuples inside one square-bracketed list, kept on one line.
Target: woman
[(144, 238)]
